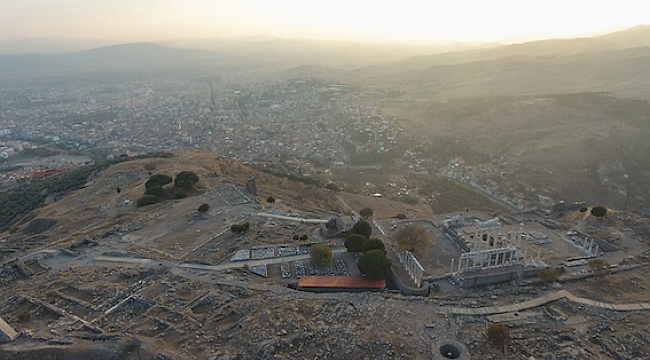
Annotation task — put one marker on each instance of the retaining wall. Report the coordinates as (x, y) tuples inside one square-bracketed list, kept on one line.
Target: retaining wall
[(409, 290)]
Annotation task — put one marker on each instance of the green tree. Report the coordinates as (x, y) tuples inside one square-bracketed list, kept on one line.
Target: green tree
[(599, 266), (549, 275), (321, 254), (270, 199), (156, 191), (186, 180), (24, 316), (204, 208), (180, 193), (412, 238), (332, 187), (598, 211), (375, 264), (354, 242), (146, 200), (366, 213), (240, 228), (362, 227), (373, 244), (498, 334), (158, 180)]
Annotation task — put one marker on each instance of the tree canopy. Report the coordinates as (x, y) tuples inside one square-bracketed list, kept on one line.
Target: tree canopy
[(599, 266), (321, 254), (598, 211), (354, 242), (362, 227), (375, 264), (186, 180), (412, 238), (147, 200), (549, 275), (156, 191), (158, 180), (373, 244), (498, 334), (240, 228), (204, 208), (366, 213)]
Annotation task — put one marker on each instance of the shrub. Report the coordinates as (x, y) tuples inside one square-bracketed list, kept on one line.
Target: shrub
[(321, 254), (332, 187), (270, 199), (303, 237), (146, 200), (296, 237), (204, 208), (598, 211), (24, 316), (408, 200), (498, 334), (240, 228), (150, 167), (599, 266), (549, 275), (180, 193), (373, 244), (13, 229), (583, 209), (186, 180), (158, 180), (354, 242), (156, 191)]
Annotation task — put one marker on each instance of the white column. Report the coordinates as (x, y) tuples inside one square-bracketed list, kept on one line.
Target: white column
[(525, 251)]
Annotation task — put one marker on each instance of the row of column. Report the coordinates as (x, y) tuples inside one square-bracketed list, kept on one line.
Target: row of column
[(499, 260), (514, 238), (590, 246)]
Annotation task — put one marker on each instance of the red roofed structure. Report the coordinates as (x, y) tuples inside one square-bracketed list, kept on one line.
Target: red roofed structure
[(42, 174), (339, 283)]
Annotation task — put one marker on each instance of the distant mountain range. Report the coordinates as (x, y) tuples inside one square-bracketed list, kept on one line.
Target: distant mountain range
[(50, 54)]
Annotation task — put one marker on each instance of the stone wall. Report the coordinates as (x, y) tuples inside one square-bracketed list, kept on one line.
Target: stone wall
[(409, 290)]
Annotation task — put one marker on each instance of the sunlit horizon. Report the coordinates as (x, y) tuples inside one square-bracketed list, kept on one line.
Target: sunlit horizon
[(409, 21)]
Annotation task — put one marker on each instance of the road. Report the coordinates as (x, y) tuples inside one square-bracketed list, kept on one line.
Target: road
[(494, 198), (313, 221), (235, 264), (491, 310), (144, 262)]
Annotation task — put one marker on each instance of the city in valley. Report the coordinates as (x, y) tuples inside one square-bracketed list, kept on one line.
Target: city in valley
[(286, 199)]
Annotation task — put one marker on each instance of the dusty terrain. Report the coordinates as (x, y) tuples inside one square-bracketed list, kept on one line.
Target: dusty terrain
[(123, 282)]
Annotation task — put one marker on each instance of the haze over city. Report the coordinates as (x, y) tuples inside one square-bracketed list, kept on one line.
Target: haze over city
[(417, 21), (324, 180)]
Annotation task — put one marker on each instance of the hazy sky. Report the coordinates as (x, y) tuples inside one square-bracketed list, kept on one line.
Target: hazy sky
[(410, 20)]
